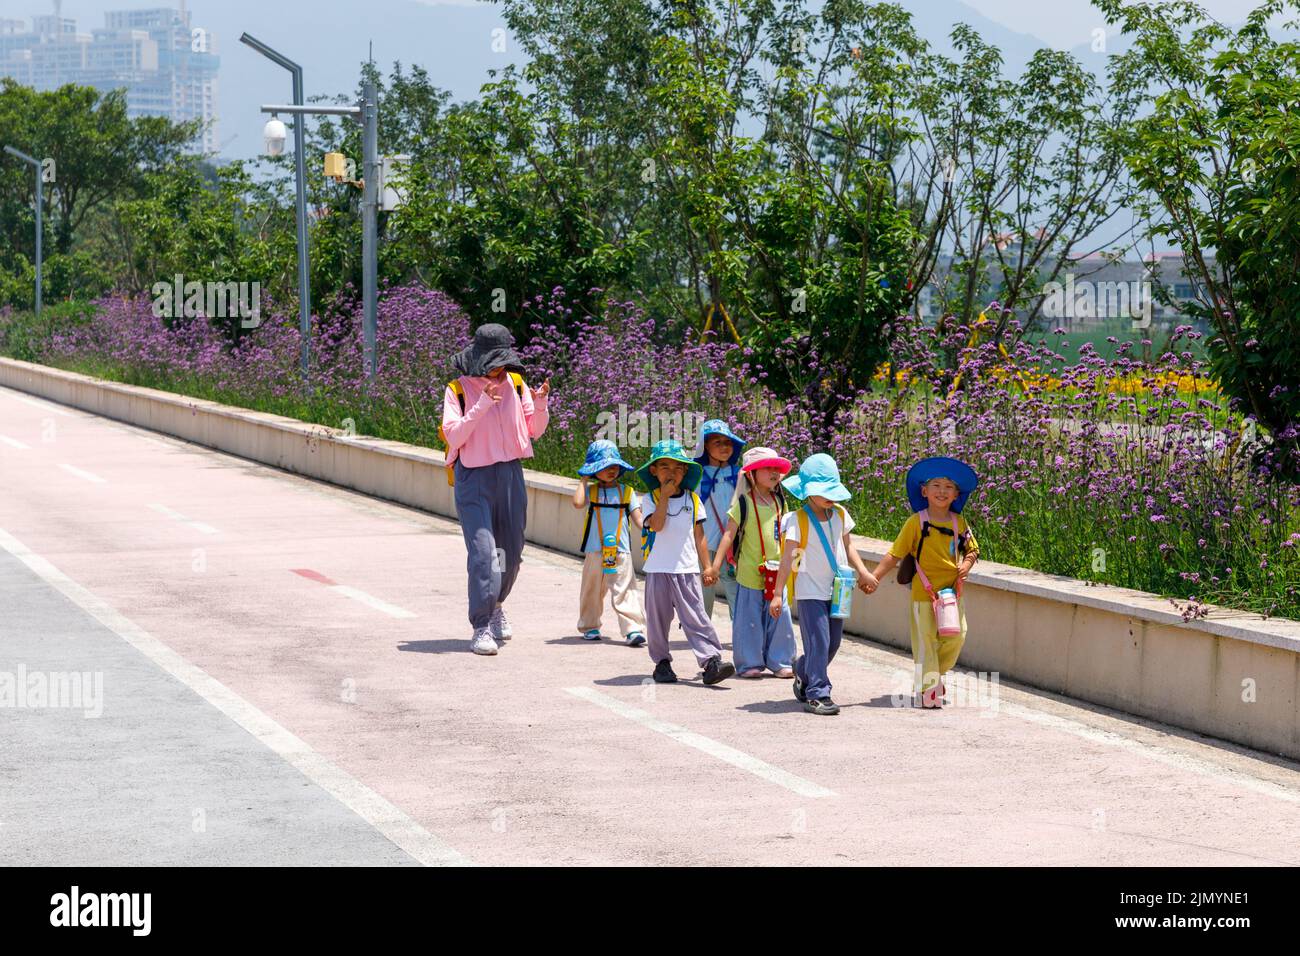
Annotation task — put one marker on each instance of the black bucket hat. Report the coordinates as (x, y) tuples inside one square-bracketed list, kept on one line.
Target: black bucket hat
[(493, 347)]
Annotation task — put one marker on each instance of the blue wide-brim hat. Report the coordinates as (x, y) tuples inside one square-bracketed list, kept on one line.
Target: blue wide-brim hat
[(716, 426), (958, 472), (671, 449), (818, 475), (600, 455)]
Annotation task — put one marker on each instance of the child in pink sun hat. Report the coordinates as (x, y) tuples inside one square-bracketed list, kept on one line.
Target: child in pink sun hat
[(753, 532)]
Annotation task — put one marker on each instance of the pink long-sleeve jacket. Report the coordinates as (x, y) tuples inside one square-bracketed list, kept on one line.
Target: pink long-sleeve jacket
[(488, 432)]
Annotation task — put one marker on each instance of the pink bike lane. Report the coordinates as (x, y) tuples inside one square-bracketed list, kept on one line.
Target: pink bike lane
[(342, 618)]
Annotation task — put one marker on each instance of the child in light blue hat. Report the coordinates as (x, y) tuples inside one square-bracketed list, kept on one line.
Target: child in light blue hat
[(718, 452), (822, 555), (607, 564)]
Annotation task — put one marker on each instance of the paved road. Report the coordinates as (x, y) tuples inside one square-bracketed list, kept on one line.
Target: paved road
[(283, 678)]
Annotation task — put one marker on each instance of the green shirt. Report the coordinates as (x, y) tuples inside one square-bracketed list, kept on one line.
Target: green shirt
[(751, 548)]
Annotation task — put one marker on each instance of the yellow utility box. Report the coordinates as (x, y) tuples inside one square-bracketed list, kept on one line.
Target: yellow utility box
[(336, 166)]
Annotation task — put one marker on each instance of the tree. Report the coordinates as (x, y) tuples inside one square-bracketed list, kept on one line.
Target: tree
[(1215, 163), (97, 151)]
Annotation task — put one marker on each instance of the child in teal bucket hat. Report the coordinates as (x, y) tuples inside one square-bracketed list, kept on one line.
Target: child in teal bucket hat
[(937, 550), (809, 582), (718, 450), (676, 558), (611, 507)]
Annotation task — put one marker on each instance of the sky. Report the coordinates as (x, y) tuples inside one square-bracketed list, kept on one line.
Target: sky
[(1065, 24), (455, 41)]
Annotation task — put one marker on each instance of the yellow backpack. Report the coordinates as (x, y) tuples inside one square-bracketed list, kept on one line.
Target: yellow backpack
[(459, 391), (804, 528)]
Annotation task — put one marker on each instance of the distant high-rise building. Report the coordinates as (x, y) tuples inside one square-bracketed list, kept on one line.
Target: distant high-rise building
[(167, 67)]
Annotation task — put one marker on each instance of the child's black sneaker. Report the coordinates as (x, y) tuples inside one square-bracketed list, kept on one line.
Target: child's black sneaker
[(799, 695), (822, 705), (664, 673), (717, 670)]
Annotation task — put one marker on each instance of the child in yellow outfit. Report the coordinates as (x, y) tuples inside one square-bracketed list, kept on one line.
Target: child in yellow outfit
[(937, 550)]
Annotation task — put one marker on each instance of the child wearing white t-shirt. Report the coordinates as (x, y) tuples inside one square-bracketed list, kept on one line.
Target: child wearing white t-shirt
[(676, 559), (818, 485)]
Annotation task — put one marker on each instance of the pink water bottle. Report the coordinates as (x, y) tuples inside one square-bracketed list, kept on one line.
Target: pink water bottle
[(947, 614)]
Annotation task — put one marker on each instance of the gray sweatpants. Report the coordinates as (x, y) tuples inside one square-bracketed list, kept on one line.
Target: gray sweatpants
[(492, 503), (666, 593)]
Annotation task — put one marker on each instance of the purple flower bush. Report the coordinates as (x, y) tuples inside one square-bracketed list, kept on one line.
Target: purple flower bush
[(1123, 472), (418, 332), (1117, 471)]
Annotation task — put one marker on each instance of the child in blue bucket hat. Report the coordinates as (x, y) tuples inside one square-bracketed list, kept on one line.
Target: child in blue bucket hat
[(607, 564), (676, 559), (809, 579), (718, 452), (935, 550)]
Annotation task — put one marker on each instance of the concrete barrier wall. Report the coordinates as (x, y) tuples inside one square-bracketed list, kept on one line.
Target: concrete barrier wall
[(1233, 675)]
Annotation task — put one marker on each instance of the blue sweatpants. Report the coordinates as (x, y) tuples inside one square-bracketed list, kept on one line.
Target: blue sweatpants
[(821, 635), (758, 639), (492, 503)]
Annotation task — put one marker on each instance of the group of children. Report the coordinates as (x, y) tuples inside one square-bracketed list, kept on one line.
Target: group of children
[(734, 519), (726, 518)]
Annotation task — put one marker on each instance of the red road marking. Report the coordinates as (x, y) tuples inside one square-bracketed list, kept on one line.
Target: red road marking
[(313, 575)]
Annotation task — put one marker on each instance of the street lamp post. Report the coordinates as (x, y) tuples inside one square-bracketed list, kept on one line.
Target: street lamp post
[(367, 112), (369, 221), (40, 202), (300, 175)]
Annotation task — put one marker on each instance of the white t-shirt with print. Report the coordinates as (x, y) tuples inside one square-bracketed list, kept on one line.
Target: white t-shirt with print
[(815, 574), (674, 547)]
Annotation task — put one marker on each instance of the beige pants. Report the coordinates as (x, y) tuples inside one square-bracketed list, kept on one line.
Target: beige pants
[(621, 586)]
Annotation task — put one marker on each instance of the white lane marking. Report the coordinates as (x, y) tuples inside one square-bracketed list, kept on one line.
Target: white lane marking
[(392, 610), (41, 405), (737, 758), (14, 443), (399, 828), (1164, 755), (176, 515), (80, 473)]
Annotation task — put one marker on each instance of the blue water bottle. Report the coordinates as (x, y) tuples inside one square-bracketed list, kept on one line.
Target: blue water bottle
[(842, 585)]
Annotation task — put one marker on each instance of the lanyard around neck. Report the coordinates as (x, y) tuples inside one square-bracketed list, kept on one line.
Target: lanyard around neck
[(776, 530), (600, 524)]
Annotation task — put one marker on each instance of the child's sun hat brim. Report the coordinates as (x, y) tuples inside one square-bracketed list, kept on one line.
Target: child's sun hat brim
[(958, 472), (756, 458), (716, 426), (670, 450), (601, 455), (817, 475)]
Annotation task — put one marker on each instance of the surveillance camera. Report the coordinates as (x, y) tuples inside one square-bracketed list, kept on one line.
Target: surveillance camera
[(274, 134)]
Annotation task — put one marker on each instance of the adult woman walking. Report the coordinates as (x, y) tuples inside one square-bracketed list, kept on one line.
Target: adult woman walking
[(489, 420)]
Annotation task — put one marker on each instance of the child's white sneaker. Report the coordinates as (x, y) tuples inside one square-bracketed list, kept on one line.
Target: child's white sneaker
[(499, 626), (482, 643)]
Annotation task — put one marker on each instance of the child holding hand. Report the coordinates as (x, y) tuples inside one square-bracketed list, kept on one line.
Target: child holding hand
[(818, 485), (718, 453), (676, 558), (937, 550), (754, 524)]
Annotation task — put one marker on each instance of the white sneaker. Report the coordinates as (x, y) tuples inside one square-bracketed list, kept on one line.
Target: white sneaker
[(482, 643), (499, 626)]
